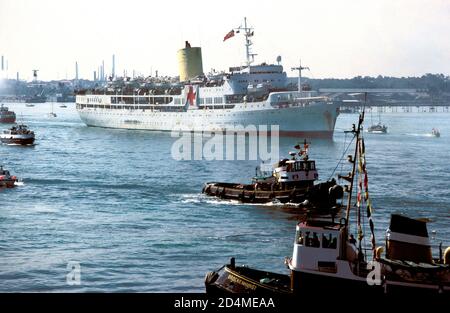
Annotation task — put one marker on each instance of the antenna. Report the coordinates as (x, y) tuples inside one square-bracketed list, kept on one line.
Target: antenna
[(279, 59)]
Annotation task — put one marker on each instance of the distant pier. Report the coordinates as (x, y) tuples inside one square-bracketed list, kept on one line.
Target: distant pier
[(388, 100)]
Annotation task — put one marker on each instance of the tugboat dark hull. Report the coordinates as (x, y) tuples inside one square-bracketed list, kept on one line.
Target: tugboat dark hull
[(18, 141), (323, 195), (244, 280)]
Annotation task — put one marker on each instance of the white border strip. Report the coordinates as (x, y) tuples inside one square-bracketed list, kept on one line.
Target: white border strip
[(418, 240)]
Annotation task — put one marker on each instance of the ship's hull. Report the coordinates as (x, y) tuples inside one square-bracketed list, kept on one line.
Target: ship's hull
[(319, 196), (8, 118), (7, 183), (316, 120), (244, 280)]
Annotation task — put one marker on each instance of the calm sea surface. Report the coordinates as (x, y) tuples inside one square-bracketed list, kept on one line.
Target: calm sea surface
[(135, 219)]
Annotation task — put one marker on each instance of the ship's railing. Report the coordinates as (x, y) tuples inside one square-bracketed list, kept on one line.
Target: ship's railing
[(294, 99), (128, 99)]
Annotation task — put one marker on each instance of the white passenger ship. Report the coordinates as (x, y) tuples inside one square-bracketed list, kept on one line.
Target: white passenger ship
[(249, 95)]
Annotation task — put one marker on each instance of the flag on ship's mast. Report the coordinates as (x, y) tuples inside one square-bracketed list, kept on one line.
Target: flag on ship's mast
[(229, 35)]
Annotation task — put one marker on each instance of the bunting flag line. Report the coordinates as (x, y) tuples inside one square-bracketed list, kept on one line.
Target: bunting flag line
[(369, 209)]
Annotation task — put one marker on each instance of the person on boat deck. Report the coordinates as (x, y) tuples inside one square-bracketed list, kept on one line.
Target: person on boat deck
[(352, 240), (315, 241)]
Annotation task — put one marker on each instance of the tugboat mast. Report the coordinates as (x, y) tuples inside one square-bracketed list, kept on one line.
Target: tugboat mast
[(356, 131)]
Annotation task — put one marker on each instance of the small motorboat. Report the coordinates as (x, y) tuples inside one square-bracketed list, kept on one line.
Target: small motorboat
[(377, 129), (6, 180), (18, 135), (7, 116), (435, 132)]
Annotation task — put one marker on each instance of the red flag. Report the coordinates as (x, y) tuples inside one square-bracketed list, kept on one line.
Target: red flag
[(229, 35)]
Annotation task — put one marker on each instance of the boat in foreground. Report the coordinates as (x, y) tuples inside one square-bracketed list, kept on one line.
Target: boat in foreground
[(328, 259), (17, 135), (242, 279), (291, 180)]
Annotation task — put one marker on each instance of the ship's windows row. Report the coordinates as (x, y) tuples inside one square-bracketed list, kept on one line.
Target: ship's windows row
[(142, 100), (215, 100), (150, 107), (93, 100), (313, 239), (303, 166), (212, 107), (131, 107)]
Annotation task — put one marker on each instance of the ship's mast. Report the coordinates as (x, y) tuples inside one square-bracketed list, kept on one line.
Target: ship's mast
[(356, 131), (299, 69), (248, 32)]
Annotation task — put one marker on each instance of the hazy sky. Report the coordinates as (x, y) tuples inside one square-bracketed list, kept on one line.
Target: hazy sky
[(334, 38)]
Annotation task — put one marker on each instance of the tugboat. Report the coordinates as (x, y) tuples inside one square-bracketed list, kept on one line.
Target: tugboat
[(435, 132), (292, 180), (6, 180), (7, 116), (328, 259), (18, 135)]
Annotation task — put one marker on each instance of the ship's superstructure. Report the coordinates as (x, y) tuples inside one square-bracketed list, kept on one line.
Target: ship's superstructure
[(246, 95)]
